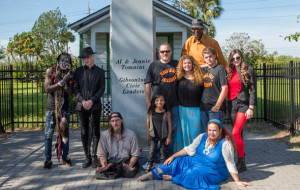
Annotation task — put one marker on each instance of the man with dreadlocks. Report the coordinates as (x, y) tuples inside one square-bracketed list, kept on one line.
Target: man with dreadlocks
[(58, 86)]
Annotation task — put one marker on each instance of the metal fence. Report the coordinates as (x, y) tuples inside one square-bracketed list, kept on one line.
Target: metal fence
[(23, 99), (278, 92)]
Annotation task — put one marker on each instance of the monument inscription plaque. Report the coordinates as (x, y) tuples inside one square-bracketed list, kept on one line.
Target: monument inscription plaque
[(132, 50)]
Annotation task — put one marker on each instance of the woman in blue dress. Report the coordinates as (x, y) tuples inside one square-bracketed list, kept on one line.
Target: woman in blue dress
[(202, 165), (189, 93)]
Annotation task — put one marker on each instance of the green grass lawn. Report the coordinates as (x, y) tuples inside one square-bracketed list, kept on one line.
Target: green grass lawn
[(29, 105)]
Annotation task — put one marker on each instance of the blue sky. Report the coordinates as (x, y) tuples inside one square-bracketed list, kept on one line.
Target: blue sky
[(261, 19)]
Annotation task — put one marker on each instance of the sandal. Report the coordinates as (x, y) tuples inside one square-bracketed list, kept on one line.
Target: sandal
[(149, 168)]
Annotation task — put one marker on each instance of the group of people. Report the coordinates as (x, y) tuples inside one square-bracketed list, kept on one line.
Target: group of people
[(186, 109), (116, 152), (186, 106)]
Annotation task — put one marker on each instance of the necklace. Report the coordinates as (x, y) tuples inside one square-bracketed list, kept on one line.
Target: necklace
[(207, 148), (188, 75)]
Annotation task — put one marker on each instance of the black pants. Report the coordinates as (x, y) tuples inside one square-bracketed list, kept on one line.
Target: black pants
[(235, 106), (85, 119), (117, 170), (153, 146)]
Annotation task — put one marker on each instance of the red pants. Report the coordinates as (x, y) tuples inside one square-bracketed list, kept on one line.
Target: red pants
[(239, 123)]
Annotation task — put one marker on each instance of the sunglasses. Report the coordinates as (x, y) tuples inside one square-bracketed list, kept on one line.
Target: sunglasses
[(235, 58), (167, 51), (196, 28)]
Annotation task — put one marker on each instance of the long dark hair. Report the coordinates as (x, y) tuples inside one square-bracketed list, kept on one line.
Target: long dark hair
[(244, 67), (152, 105)]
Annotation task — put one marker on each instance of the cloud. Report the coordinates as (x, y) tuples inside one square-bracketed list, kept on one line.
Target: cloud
[(74, 48), (4, 43)]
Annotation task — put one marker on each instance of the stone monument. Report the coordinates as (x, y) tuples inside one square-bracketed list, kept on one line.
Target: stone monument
[(132, 51)]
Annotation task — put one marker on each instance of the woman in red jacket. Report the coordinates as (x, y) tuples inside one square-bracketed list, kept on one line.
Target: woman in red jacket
[(241, 99)]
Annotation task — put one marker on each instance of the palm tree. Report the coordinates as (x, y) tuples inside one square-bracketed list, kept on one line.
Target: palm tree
[(207, 10)]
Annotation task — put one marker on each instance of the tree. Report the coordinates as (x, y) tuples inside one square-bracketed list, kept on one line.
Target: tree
[(286, 59), (295, 36), (51, 33), (22, 46), (207, 10), (2, 52), (237, 41), (292, 37)]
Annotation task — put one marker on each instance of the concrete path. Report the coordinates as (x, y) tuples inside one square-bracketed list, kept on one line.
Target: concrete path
[(271, 165)]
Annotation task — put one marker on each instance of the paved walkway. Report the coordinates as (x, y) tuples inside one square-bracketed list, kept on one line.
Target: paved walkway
[(271, 165)]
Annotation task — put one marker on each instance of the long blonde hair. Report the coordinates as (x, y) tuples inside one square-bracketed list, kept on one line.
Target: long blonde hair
[(196, 70)]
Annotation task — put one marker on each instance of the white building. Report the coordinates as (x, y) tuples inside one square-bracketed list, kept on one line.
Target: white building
[(171, 26)]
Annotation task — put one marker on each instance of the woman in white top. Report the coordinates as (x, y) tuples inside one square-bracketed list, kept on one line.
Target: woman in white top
[(207, 161)]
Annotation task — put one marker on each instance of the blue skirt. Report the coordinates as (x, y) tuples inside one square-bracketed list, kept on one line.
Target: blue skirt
[(190, 174), (189, 126)]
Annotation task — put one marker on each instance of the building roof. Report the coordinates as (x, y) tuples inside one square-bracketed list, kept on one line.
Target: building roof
[(158, 5)]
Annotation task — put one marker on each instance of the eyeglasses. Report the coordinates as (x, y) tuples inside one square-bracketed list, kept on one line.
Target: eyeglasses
[(235, 58), (196, 28), (166, 51)]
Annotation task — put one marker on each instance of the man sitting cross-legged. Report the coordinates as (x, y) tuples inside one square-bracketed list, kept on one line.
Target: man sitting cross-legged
[(118, 151)]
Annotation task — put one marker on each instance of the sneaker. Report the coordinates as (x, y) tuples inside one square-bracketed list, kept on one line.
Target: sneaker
[(87, 163), (67, 162), (241, 165), (95, 162), (149, 168), (47, 164)]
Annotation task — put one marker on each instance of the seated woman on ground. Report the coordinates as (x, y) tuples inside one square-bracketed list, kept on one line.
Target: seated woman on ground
[(207, 161)]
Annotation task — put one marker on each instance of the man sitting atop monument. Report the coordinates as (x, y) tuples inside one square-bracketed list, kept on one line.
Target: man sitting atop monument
[(118, 150)]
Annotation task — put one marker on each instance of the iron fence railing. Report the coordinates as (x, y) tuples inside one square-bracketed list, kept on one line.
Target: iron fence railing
[(278, 91), (23, 98)]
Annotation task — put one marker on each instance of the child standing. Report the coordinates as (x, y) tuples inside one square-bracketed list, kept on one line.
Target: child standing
[(159, 128)]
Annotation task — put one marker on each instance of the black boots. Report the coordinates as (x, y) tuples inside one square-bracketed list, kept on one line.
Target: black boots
[(95, 162), (241, 165), (47, 165), (87, 163)]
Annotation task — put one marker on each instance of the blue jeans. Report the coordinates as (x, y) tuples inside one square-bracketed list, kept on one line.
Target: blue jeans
[(206, 116), (49, 130)]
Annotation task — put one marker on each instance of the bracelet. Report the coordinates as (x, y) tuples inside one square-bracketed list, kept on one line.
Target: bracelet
[(217, 107), (250, 108), (64, 81), (59, 84)]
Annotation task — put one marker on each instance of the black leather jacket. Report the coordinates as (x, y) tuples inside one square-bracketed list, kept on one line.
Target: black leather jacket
[(89, 84)]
